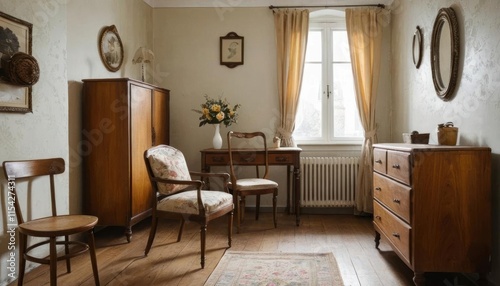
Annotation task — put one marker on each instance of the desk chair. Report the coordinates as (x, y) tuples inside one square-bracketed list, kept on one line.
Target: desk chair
[(176, 195), (49, 227), (242, 187)]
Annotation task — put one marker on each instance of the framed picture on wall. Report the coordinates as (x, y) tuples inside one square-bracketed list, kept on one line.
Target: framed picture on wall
[(111, 48), (231, 50), (15, 36)]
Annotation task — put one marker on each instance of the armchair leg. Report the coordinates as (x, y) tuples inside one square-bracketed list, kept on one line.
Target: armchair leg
[(203, 234), (181, 228), (152, 233), (238, 214), (230, 228)]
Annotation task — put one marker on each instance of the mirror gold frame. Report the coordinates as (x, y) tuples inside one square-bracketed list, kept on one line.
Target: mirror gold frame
[(445, 52)]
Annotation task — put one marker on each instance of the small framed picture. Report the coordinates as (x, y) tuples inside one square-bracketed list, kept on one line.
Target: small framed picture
[(111, 48), (15, 36), (231, 50)]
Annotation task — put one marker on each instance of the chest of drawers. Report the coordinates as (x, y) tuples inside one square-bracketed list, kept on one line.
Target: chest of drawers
[(432, 204)]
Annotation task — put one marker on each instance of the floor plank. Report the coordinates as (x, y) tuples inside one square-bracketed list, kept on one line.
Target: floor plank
[(349, 238)]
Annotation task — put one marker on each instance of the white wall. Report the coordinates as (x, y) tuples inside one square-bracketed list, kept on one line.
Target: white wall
[(65, 46), (186, 43), (475, 107)]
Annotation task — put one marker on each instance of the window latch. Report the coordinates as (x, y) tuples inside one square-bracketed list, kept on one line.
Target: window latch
[(328, 91)]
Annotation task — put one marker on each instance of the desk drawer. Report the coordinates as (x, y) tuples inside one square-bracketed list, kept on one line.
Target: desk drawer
[(217, 159), (394, 229), (278, 159)]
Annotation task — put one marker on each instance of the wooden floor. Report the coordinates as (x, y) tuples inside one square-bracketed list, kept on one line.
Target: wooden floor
[(350, 239)]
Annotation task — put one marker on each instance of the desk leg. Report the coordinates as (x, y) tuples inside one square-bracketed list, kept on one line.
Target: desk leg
[(296, 187), (288, 191)]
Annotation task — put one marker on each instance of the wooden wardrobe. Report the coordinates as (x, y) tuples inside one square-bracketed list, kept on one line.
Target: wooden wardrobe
[(122, 118)]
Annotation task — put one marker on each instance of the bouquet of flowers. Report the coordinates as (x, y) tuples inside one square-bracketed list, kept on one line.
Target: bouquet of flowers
[(216, 111)]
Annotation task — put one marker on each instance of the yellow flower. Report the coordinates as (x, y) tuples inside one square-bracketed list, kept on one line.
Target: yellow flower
[(220, 116), (216, 108)]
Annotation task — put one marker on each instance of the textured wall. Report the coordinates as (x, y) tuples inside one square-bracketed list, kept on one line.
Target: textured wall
[(476, 105)]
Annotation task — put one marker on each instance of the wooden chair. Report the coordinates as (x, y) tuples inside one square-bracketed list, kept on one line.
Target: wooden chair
[(176, 195), (242, 187), (49, 227)]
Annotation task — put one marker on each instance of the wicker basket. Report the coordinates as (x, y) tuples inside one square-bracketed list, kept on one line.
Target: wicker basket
[(21, 69)]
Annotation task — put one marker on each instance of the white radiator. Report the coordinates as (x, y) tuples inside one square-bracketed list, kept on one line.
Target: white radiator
[(328, 181)]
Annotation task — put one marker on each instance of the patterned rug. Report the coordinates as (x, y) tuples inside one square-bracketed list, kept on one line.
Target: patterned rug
[(276, 269)]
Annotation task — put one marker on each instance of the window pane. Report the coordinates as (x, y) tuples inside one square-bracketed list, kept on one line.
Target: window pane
[(346, 118), (313, 50), (308, 120), (340, 46)]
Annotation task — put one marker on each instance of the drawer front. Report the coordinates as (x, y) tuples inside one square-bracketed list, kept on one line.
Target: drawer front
[(380, 160), (394, 229), (393, 195), (277, 159), (398, 166), (217, 159)]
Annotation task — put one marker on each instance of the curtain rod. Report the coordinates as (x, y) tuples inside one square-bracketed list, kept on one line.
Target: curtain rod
[(329, 6)]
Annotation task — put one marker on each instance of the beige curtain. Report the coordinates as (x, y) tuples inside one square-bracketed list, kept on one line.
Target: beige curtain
[(364, 30), (292, 27)]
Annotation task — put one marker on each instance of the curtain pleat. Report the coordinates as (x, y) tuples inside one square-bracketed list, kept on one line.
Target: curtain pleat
[(292, 28), (364, 30)]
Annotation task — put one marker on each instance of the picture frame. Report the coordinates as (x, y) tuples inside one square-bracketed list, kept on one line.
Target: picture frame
[(15, 36), (231, 50), (111, 48), (417, 47)]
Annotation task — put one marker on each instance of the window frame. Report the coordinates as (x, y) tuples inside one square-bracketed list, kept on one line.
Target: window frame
[(326, 27)]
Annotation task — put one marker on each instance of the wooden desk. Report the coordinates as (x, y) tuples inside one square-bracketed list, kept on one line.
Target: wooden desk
[(284, 156)]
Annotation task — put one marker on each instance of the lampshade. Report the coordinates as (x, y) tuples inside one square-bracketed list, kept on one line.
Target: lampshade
[(143, 55)]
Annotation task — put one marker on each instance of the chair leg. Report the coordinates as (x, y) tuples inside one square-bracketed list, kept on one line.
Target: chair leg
[(53, 262), (238, 214), (93, 257), (242, 208), (275, 199), (230, 228), (22, 261), (152, 233), (257, 207), (203, 237), (181, 228), (66, 250)]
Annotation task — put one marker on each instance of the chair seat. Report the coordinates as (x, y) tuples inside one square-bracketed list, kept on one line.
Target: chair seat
[(59, 225), (187, 202), (254, 184)]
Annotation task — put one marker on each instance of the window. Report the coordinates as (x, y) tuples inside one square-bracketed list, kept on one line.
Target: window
[(327, 111)]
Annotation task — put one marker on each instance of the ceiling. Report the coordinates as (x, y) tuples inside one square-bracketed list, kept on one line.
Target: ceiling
[(259, 3)]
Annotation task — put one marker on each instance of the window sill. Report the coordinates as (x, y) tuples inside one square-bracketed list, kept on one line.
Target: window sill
[(338, 149)]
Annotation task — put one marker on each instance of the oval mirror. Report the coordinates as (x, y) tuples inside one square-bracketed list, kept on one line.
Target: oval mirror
[(445, 52), (417, 47)]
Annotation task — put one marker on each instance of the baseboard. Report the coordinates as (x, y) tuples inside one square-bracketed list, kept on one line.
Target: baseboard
[(307, 210)]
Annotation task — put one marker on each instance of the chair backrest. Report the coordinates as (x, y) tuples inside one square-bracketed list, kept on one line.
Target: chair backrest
[(166, 162), (28, 169), (247, 143)]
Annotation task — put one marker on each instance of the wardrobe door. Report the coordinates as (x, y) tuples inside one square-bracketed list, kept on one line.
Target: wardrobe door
[(161, 118)]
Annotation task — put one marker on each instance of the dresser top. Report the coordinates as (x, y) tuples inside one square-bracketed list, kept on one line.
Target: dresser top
[(427, 147)]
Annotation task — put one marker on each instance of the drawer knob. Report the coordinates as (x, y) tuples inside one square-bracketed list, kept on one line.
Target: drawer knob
[(395, 234), (378, 189), (378, 161), (396, 201), (281, 159), (378, 217), (395, 166)]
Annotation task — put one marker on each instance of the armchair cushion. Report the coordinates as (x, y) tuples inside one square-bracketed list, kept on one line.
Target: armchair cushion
[(187, 202), (169, 163)]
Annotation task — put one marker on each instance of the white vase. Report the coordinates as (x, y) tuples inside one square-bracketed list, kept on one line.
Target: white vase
[(217, 141)]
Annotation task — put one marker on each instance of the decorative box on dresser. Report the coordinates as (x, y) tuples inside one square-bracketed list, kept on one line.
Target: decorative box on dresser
[(432, 204), (121, 119)]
